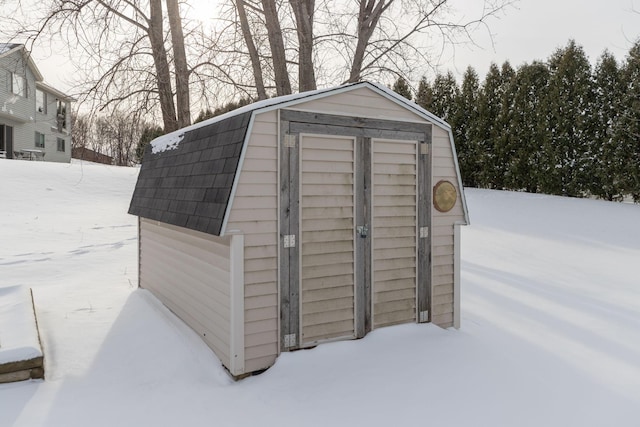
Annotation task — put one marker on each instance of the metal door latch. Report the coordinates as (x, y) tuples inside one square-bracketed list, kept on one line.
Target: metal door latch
[(362, 230)]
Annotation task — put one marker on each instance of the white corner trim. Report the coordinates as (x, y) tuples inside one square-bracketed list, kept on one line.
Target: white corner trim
[(456, 273), (462, 196), (236, 292), (236, 178)]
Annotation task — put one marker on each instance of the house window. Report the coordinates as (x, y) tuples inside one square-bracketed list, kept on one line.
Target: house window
[(18, 86), (39, 140), (60, 144), (41, 101), (61, 115)]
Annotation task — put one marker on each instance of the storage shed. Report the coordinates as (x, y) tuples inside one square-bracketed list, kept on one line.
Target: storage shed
[(303, 219)]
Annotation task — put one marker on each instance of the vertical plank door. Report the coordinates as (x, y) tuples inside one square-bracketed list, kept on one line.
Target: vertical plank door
[(394, 232), (327, 238)]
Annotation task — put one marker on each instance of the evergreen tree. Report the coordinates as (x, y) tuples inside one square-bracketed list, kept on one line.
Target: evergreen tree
[(503, 148), (466, 132), (606, 160), (492, 128), (569, 102), (627, 131), (527, 127), (444, 94), (402, 88), (424, 97), (203, 115), (149, 133)]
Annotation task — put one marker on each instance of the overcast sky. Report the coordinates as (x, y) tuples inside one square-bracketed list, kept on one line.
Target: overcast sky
[(534, 29), (530, 30)]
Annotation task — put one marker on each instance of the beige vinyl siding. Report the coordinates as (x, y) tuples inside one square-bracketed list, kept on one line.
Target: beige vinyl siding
[(394, 232), (327, 238), (189, 272), (442, 243), (255, 214), (362, 102)]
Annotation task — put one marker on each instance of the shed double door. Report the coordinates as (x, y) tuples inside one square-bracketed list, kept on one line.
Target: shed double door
[(351, 222)]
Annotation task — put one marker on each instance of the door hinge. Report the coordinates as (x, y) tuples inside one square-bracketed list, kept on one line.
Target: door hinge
[(289, 340), (423, 317), (289, 241), (424, 148), (424, 232), (289, 140)]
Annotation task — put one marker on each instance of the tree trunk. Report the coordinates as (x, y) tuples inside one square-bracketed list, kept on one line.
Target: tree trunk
[(303, 11), (163, 73), (251, 47), (272, 21), (180, 58), (368, 16)]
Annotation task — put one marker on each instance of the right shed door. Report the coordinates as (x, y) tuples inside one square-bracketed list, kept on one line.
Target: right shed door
[(394, 231)]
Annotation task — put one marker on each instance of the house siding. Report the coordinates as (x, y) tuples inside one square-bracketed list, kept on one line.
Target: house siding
[(20, 111), (18, 107), (47, 124), (255, 213), (189, 272)]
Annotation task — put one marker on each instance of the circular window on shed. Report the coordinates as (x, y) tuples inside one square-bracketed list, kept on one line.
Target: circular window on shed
[(444, 196)]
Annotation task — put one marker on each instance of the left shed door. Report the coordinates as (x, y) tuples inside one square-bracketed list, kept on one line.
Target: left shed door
[(327, 213)]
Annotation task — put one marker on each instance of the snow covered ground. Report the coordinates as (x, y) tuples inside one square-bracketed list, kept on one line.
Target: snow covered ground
[(550, 324)]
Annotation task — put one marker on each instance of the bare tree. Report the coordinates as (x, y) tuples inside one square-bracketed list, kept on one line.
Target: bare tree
[(251, 48), (304, 11), (355, 40), (180, 58), (276, 42), (120, 47)]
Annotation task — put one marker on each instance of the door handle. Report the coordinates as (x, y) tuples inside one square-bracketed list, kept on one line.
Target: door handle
[(362, 230)]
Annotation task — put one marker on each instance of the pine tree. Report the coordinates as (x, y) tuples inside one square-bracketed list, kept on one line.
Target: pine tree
[(466, 133), (569, 104), (627, 131), (502, 145), (401, 87), (445, 92), (149, 133), (528, 132), (490, 110), (606, 160), (424, 97)]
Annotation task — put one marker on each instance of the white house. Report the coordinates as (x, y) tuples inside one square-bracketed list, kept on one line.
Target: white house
[(34, 117)]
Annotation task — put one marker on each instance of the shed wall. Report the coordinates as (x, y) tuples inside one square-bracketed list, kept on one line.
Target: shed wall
[(255, 213), (362, 102), (189, 272), (442, 225)]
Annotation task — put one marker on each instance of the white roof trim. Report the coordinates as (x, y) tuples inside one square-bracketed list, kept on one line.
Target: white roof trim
[(462, 196), (236, 178), (55, 92)]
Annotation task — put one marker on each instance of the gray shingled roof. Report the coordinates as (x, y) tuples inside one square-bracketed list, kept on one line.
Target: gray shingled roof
[(187, 176), (190, 186)]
